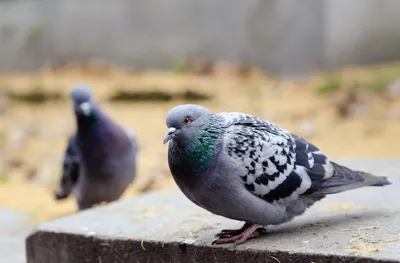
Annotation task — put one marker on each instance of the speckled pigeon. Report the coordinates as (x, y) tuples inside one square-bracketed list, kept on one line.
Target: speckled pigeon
[(249, 169), (100, 159)]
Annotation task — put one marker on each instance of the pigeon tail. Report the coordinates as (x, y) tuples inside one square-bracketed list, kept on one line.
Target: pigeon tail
[(345, 179)]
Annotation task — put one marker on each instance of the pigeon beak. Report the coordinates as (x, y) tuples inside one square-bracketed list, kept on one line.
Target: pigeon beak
[(85, 108), (169, 135)]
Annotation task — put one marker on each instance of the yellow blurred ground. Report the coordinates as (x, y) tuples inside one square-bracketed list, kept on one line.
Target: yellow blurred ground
[(33, 137)]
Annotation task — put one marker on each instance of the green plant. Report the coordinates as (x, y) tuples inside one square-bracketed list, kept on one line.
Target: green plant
[(193, 95), (381, 80), (156, 95), (180, 65), (4, 179), (35, 32), (122, 95), (330, 84), (35, 95), (7, 31)]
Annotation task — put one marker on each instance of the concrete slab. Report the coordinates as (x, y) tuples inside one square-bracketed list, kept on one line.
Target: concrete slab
[(362, 225), (14, 228)]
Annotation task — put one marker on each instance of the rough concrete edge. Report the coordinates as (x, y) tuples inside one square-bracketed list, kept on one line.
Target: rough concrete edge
[(49, 247)]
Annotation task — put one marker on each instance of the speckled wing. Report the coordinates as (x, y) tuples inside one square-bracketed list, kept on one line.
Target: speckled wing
[(71, 168), (278, 166), (313, 162), (72, 160)]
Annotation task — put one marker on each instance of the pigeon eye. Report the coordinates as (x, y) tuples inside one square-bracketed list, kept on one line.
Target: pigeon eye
[(186, 121)]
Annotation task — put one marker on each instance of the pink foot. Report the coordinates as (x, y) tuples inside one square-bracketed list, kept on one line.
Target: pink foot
[(232, 232), (252, 231)]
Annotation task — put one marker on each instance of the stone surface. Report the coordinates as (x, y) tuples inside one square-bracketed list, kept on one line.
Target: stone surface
[(361, 225), (284, 37), (13, 229)]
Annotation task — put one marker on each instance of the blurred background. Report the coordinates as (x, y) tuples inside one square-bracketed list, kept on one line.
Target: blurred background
[(324, 69)]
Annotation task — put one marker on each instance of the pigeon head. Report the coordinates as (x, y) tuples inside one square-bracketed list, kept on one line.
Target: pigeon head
[(83, 101), (185, 122)]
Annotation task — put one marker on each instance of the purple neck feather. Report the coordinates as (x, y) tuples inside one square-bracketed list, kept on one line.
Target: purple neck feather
[(98, 136)]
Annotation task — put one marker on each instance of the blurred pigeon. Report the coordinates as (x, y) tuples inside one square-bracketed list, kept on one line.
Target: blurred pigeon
[(249, 169), (100, 159)]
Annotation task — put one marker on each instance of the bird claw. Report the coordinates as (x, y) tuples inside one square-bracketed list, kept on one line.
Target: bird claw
[(239, 236), (232, 232), (228, 233)]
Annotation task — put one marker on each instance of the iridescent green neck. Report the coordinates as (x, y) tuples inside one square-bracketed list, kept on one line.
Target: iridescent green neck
[(201, 151)]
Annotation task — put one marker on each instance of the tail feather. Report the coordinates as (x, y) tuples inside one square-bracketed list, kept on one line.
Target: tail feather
[(374, 180), (344, 179)]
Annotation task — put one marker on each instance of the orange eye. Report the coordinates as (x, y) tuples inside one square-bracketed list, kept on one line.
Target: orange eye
[(186, 121)]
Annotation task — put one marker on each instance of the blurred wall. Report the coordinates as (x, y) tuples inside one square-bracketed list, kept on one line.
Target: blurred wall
[(362, 31), (286, 37)]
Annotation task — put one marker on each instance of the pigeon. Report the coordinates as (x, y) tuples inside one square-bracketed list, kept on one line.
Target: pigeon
[(100, 157), (249, 169)]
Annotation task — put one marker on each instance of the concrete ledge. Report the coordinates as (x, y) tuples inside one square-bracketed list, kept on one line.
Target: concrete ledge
[(362, 225), (14, 228), (106, 250)]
